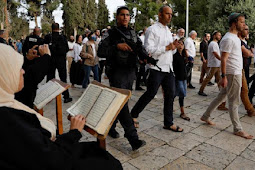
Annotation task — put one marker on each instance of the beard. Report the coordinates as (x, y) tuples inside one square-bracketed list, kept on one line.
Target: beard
[(71, 40)]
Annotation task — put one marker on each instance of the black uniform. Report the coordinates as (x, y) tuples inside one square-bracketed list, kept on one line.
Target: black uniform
[(120, 69), (58, 47), (35, 71)]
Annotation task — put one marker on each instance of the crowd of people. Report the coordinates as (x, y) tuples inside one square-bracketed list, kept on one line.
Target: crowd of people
[(154, 57)]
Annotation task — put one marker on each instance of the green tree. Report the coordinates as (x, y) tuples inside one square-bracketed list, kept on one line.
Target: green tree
[(48, 6), (102, 15), (91, 13), (18, 22), (143, 11), (73, 15)]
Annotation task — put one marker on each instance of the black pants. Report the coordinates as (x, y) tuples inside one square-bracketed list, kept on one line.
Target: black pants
[(189, 70), (252, 91), (34, 74), (124, 79), (58, 62), (141, 73), (167, 81), (101, 68)]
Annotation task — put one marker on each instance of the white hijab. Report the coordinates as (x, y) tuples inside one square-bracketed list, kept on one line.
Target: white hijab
[(10, 67)]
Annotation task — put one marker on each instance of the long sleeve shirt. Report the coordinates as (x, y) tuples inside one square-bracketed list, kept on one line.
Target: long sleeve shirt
[(157, 37), (77, 50)]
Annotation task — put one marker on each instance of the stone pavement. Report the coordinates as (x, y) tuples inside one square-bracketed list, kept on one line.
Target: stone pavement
[(199, 147)]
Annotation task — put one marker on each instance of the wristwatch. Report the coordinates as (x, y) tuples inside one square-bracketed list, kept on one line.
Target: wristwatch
[(223, 75)]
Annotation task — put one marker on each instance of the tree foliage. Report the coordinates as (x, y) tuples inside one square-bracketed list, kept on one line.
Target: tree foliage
[(18, 22), (102, 14)]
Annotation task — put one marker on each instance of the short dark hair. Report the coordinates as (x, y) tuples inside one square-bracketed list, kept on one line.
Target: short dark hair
[(121, 8), (90, 34), (55, 26), (162, 8), (206, 34), (77, 37)]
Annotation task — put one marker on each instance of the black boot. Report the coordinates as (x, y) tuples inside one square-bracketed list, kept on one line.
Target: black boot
[(113, 133), (136, 144)]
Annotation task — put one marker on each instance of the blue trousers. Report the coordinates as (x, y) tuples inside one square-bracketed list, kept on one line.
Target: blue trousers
[(87, 70)]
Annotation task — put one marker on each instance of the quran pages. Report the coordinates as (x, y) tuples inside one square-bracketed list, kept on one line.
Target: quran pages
[(99, 105), (47, 92)]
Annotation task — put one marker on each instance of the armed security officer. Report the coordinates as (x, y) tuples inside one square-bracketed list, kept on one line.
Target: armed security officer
[(121, 62), (58, 48), (35, 66)]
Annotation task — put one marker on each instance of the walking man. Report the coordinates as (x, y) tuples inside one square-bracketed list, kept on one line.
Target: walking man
[(160, 47), (231, 73)]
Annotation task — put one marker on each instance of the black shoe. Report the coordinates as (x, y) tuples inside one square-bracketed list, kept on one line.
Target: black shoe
[(139, 88), (191, 87), (137, 144), (210, 84), (202, 93), (114, 134), (67, 100)]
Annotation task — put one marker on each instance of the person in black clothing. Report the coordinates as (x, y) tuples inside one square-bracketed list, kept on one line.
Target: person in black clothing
[(29, 43), (29, 140), (2, 36), (203, 54), (58, 48), (35, 65), (179, 63), (121, 64)]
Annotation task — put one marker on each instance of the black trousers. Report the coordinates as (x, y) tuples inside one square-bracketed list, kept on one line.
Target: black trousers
[(101, 68), (141, 73), (34, 74), (167, 81), (252, 91), (124, 78), (58, 62)]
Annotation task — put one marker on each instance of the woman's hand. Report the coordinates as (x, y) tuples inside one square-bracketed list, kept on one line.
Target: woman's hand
[(77, 122)]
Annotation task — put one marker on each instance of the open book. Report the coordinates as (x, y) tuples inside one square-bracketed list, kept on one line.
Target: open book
[(100, 105), (47, 92)]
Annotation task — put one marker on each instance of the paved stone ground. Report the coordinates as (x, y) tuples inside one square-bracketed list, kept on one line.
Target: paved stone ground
[(198, 147)]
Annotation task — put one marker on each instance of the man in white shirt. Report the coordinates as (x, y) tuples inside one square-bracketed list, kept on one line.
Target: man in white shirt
[(191, 53), (70, 53), (213, 62), (231, 69), (159, 43)]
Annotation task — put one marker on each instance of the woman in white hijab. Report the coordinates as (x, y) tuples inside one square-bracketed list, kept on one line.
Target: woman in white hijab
[(28, 139)]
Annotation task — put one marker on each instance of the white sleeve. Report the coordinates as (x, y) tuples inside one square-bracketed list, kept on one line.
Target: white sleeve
[(226, 45), (76, 53), (151, 45)]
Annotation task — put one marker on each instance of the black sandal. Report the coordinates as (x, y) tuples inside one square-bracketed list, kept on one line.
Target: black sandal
[(184, 116), (174, 130)]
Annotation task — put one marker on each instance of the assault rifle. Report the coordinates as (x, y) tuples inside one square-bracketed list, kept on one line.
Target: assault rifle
[(140, 52)]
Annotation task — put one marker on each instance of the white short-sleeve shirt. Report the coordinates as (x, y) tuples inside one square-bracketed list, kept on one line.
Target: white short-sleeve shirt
[(190, 47), (231, 44), (212, 61)]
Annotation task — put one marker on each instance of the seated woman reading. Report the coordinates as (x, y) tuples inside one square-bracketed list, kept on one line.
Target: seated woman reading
[(28, 139)]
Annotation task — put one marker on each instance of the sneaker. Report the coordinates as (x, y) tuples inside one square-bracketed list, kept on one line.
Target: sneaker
[(137, 144), (114, 134), (201, 93), (67, 100), (139, 88), (210, 84), (191, 86)]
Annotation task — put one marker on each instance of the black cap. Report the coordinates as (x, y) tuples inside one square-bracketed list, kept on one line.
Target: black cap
[(233, 16)]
